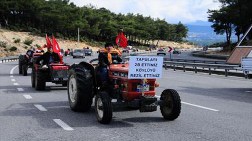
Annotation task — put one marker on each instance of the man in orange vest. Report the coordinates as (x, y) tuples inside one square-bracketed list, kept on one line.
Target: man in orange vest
[(105, 59)]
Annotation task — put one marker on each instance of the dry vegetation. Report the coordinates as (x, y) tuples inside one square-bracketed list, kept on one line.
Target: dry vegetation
[(18, 39)]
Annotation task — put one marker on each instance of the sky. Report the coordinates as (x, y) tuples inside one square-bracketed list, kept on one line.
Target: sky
[(173, 11)]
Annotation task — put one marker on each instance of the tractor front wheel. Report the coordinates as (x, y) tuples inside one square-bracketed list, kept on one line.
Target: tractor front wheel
[(40, 82), (103, 108), (171, 105), (24, 70), (33, 77), (20, 63)]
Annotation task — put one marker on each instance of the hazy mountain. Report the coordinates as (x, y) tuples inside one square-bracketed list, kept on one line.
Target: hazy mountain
[(201, 33), (200, 23)]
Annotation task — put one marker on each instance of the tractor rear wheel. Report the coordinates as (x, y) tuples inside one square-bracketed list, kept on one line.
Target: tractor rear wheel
[(103, 107), (40, 82), (24, 70), (80, 88), (171, 105)]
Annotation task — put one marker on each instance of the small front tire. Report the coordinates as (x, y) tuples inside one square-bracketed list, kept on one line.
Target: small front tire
[(24, 70), (171, 105), (103, 108)]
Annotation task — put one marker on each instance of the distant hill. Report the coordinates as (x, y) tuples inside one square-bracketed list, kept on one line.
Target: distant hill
[(202, 34)]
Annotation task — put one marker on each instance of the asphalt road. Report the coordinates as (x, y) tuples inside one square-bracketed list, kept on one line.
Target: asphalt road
[(214, 108)]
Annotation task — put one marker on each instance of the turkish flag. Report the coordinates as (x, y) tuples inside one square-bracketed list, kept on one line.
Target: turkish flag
[(56, 49), (121, 40)]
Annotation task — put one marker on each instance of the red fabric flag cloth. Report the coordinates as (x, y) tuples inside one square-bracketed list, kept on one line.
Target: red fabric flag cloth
[(121, 40), (48, 42), (56, 49)]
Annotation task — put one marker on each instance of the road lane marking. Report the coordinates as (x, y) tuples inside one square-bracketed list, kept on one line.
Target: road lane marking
[(27, 96), (40, 107), (211, 109), (63, 124), (13, 80), (11, 71), (20, 89), (15, 84), (194, 105), (11, 76)]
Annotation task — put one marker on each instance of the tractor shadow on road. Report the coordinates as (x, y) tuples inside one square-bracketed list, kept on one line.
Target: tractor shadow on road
[(30, 90), (59, 110)]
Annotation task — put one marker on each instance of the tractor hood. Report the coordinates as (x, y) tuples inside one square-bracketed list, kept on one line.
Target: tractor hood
[(119, 68)]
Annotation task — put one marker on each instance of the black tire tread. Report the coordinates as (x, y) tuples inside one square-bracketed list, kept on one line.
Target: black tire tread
[(24, 69), (84, 82), (176, 104), (40, 81), (107, 108), (33, 77)]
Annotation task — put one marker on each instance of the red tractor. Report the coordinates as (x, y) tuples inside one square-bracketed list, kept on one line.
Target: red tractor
[(84, 85), (26, 61), (55, 73)]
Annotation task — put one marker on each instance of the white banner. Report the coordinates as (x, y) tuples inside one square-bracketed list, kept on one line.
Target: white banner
[(141, 67)]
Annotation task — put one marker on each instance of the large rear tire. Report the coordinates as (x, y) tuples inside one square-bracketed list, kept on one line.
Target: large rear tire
[(40, 82), (171, 106), (80, 88), (103, 108)]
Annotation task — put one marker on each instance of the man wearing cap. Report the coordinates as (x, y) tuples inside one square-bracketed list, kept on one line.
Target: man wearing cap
[(105, 59), (48, 58)]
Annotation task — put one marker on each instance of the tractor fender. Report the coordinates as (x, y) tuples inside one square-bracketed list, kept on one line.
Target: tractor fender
[(88, 66)]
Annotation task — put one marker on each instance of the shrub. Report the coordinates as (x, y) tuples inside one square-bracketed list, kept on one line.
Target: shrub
[(25, 47), (37, 46), (13, 48), (17, 41), (3, 44), (28, 41)]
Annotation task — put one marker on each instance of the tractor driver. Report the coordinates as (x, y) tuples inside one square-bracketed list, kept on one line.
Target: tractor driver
[(105, 59), (48, 58)]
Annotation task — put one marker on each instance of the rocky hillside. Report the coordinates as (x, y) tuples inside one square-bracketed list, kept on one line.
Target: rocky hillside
[(15, 43)]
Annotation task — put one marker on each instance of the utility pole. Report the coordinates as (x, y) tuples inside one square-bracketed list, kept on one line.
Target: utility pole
[(78, 35)]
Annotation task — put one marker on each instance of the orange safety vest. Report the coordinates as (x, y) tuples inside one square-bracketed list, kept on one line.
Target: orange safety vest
[(108, 54)]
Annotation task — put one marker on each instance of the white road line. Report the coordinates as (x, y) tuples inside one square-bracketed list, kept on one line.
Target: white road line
[(20, 89), (11, 72), (27, 96), (198, 106), (15, 84), (40, 107), (63, 124), (11, 76), (13, 80)]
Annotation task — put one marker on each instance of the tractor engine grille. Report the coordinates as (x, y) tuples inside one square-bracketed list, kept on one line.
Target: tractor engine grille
[(59, 74)]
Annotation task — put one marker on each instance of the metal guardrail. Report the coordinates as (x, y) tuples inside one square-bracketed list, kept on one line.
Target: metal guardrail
[(8, 59), (199, 65)]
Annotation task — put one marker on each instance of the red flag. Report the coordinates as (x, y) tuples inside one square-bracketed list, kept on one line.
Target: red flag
[(121, 40), (56, 49), (48, 42)]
